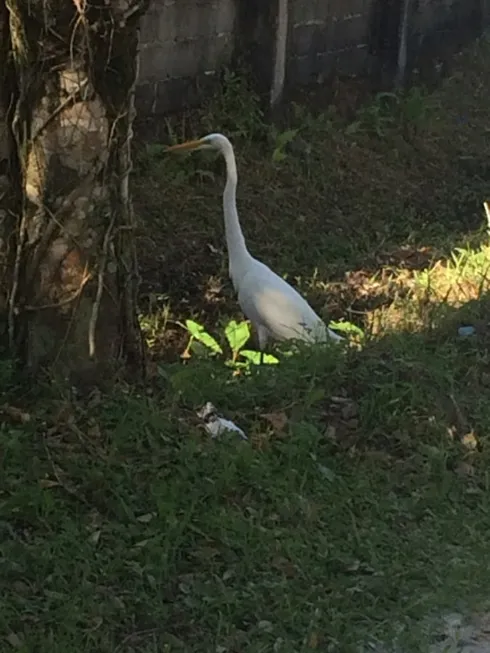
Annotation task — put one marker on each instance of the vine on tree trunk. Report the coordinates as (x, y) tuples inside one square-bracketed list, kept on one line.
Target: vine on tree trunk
[(72, 301)]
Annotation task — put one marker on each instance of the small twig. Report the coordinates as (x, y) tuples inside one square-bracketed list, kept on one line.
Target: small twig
[(55, 219), (67, 300), (462, 423), (100, 288), (86, 442), (486, 206), (15, 282), (138, 8), (137, 634), (58, 110), (80, 6), (58, 477)]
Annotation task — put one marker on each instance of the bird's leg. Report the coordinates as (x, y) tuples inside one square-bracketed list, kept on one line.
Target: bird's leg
[(262, 336)]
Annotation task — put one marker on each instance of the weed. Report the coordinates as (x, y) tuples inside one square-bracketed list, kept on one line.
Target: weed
[(237, 335), (235, 108), (376, 117), (387, 110), (281, 140), (414, 109)]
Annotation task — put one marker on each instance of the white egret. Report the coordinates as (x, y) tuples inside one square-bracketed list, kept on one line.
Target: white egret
[(275, 309)]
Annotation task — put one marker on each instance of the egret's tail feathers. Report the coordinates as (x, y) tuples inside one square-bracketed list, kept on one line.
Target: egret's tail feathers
[(319, 333)]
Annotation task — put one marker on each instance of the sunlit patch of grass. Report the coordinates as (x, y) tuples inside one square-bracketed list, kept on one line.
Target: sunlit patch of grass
[(424, 297)]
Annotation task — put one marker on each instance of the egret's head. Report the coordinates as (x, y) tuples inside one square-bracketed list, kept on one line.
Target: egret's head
[(216, 142)]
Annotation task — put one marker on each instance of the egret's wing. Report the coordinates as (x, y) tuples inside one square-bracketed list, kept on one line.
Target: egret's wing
[(268, 300)]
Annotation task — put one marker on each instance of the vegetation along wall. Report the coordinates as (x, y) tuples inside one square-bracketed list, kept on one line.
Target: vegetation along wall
[(289, 43)]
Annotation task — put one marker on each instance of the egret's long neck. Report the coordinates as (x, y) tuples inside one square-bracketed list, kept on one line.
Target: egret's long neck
[(237, 250)]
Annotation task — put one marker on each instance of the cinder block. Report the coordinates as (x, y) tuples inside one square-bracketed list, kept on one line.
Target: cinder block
[(181, 58), (341, 9), (486, 12), (300, 70), (179, 20), (173, 95), (150, 24), (219, 51), (350, 32), (151, 65), (144, 99), (307, 69), (308, 11), (327, 64), (307, 39), (352, 62)]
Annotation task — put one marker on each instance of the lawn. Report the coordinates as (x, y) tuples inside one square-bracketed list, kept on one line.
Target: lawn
[(357, 513)]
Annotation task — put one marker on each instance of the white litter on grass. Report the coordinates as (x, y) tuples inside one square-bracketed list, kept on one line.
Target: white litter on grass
[(466, 331), (451, 633), (216, 425)]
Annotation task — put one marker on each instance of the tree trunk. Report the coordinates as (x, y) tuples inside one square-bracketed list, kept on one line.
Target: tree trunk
[(73, 277)]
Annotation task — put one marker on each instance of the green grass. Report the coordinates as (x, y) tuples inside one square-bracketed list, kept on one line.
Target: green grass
[(357, 512), (129, 529)]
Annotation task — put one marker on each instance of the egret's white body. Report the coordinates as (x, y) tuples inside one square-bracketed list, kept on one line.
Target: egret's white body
[(275, 308)]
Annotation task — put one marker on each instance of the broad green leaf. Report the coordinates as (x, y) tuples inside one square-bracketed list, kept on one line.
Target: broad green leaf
[(254, 357), (315, 395), (198, 332), (278, 155), (237, 334), (287, 136), (353, 128), (200, 349), (347, 327)]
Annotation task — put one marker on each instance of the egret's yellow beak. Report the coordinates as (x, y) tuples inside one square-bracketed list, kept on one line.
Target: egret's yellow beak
[(185, 147)]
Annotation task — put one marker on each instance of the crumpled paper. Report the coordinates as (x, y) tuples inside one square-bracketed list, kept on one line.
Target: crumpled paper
[(216, 425)]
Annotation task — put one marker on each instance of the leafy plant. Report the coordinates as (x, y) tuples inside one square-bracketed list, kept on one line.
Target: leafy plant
[(414, 109), (410, 109), (281, 141), (153, 321), (198, 333), (348, 328), (376, 117), (237, 335), (236, 107)]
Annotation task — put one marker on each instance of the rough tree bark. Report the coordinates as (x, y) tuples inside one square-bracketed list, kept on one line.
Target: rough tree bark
[(72, 277)]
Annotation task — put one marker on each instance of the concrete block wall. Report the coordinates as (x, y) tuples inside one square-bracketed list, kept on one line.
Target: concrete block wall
[(186, 43), (445, 17), (327, 38), (430, 14), (437, 28)]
